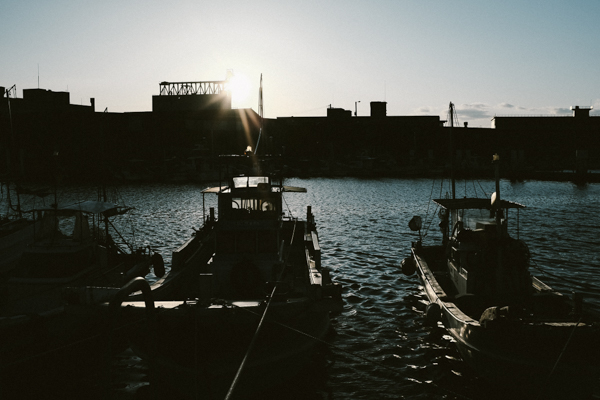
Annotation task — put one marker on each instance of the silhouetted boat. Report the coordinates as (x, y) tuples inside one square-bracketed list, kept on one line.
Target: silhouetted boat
[(255, 301), (15, 235), (37, 325), (18, 227), (507, 324)]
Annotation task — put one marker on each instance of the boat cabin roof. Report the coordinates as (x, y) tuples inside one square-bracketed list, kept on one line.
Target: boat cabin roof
[(91, 207), (474, 204), (252, 182)]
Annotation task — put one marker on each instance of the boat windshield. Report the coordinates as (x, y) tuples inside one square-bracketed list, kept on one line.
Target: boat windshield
[(475, 219), (249, 181)]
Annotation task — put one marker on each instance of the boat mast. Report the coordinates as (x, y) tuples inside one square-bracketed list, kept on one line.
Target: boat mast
[(13, 155), (104, 175), (451, 113), (260, 113), (496, 162)]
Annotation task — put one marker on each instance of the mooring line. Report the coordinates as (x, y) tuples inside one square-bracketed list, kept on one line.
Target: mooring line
[(561, 354), (580, 284), (390, 369), (262, 319)]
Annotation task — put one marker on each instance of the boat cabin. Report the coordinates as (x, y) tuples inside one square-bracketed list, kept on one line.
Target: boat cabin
[(248, 237), (67, 244), (483, 259), (250, 197), (249, 216)]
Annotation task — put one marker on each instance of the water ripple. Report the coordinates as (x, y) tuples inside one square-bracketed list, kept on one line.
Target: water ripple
[(363, 233)]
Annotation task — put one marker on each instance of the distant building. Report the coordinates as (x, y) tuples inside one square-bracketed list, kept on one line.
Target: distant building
[(44, 136), (378, 109), (41, 100), (341, 144), (339, 113), (40, 127), (191, 123), (550, 142)]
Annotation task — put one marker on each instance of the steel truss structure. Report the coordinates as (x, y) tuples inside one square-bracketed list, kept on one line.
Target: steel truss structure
[(190, 88)]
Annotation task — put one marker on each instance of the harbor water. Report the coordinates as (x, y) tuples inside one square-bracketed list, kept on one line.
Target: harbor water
[(379, 346)]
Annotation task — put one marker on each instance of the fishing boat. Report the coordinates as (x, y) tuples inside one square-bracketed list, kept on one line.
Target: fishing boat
[(511, 327), (70, 248), (17, 226), (255, 300)]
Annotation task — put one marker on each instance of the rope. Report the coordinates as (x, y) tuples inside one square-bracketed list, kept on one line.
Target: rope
[(560, 355), (427, 211), (262, 319), (442, 187), (196, 361), (289, 210), (431, 221), (376, 363), (571, 282), (482, 189)]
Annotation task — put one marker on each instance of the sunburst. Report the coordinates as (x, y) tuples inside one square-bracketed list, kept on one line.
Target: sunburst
[(239, 86)]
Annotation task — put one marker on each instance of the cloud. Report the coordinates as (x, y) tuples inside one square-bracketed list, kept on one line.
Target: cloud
[(474, 105), (560, 111), (474, 111), (512, 107), (504, 107), (424, 109), (549, 111)]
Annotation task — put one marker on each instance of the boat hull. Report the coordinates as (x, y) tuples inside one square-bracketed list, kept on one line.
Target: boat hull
[(549, 356), (197, 350)]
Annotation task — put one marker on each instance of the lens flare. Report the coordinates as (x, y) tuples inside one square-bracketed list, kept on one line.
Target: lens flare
[(239, 86)]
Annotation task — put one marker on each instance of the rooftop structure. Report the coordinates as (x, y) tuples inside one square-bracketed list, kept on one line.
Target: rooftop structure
[(579, 112), (189, 88), (192, 96)]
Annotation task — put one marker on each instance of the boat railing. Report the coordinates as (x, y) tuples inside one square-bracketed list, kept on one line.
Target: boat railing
[(187, 250), (314, 276), (312, 244)]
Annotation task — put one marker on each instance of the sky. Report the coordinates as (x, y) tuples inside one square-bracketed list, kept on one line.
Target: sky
[(489, 58)]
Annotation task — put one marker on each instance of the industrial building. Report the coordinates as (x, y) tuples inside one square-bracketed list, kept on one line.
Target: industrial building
[(43, 136), (191, 122), (551, 142)]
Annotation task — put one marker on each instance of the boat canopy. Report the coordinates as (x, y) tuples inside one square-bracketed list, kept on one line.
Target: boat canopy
[(97, 207), (475, 204), (215, 189), (240, 182), (91, 207), (222, 189), (294, 189)]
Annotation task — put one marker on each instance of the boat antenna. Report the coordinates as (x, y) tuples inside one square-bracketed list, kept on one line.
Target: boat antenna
[(260, 114)]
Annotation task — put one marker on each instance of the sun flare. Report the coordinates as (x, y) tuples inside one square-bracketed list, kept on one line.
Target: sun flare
[(239, 86)]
